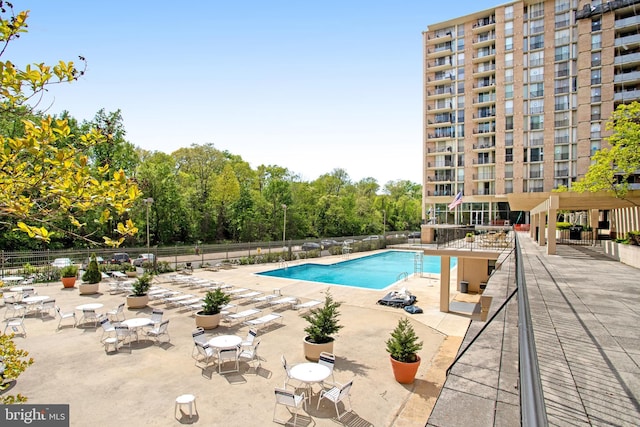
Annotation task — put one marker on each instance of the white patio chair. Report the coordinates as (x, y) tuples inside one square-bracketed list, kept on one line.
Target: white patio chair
[(287, 372), (89, 316), (198, 338), (157, 331), (46, 307), (250, 355), (337, 394), (115, 314), (156, 316), (65, 315), (15, 308), (16, 325), (248, 341), (291, 401), (204, 353), (228, 355), (107, 327), (123, 335), (328, 360)]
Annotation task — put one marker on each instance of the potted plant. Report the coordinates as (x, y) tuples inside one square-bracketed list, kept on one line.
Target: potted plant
[(129, 269), (323, 324), (403, 347), (209, 316), (91, 278), (139, 297), (68, 275), (470, 237)]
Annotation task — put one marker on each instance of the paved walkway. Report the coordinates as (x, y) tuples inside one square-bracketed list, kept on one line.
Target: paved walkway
[(585, 313)]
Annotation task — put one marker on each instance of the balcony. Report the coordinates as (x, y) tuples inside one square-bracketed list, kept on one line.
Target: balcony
[(487, 176), (627, 95), (483, 161), (627, 77), (439, 37), (483, 55), (627, 59), (483, 70), (440, 107), (484, 99), (484, 24), (484, 130), (561, 173), (484, 39), (627, 23), (627, 41)]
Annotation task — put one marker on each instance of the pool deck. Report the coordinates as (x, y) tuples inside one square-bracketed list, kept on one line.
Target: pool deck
[(140, 386)]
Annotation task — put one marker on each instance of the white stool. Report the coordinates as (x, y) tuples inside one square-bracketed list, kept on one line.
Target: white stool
[(110, 342), (186, 399)]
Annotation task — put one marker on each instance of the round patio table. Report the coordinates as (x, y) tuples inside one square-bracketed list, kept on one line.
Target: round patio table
[(90, 306), (136, 323), (309, 373), (35, 299), (222, 342)]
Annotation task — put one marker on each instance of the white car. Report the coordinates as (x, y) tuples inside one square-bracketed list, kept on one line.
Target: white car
[(142, 258), (61, 262)]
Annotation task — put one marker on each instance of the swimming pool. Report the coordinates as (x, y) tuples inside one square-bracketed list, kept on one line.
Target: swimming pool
[(371, 272)]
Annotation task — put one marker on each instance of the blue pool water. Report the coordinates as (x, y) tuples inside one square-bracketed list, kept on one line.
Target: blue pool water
[(371, 272)]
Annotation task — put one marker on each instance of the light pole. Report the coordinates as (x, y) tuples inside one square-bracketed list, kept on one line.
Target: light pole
[(148, 201), (284, 226)]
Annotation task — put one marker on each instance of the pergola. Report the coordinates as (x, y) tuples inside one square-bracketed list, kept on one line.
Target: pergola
[(545, 206)]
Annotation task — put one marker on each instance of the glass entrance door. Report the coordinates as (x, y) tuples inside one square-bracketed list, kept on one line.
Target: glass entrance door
[(477, 217)]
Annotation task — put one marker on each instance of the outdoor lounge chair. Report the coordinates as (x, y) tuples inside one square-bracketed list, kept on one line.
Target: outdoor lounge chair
[(284, 301), (242, 316), (306, 305), (264, 321)]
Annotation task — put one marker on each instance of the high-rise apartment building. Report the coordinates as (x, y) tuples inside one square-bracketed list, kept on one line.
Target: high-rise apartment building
[(516, 99)]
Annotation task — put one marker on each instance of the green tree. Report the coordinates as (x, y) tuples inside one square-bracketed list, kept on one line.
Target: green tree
[(613, 166)]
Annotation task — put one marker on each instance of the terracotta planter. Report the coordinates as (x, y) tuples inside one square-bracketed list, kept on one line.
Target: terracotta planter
[(137, 302), (68, 282), (312, 351), (207, 321), (404, 373), (88, 288), (131, 273)]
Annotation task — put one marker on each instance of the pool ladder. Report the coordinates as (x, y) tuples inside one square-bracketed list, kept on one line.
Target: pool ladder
[(403, 276)]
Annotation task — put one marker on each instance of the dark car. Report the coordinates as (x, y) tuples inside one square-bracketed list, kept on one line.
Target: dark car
[(329, 243), (414, 235), (85, 263), (310, 246), (120, 257)]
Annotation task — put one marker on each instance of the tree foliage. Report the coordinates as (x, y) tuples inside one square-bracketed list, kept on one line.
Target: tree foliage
[(612, 166), (15, 362), (47, 181)]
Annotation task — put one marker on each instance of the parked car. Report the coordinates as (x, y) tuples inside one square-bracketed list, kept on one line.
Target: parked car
[(120, 257), (328, 243), (85, 263), (414, 235), (310, 246), (369, 238), (142, 258), (61, 262), (347, 242)]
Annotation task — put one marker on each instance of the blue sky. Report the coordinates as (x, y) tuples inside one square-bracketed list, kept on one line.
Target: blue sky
[(311, 86)]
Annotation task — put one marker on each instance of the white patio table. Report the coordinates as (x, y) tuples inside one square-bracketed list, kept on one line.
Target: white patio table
[(136, 323), (309, 374)]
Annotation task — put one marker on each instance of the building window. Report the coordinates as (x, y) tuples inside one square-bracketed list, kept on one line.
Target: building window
[(508, 91), (508, 75), (562, 53), (562, 69), (561, 120), (595, 146), (595, 112), (562, 102), (508, 107), (508, 139), (537, 155), (535, 107), (563, 20), (596, 59), (596, 24), (596, 41), (460, 62), (536, 122), (595, 131), (536, 90), (595, 94), (536, 26), (596, 76), (508, 154), (562, 37), (536, 74), (536, 59), (536, 42), (508, 13), (508, 122), (561, 86), (508, 43)]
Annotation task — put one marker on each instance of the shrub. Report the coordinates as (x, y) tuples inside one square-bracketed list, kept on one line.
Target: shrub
[(141, 285), (323, 321), (403, 345), (92, 275), (69, 271), (214, 301)]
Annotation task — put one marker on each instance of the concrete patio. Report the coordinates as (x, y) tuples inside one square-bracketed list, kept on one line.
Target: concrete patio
[(140, 386)]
